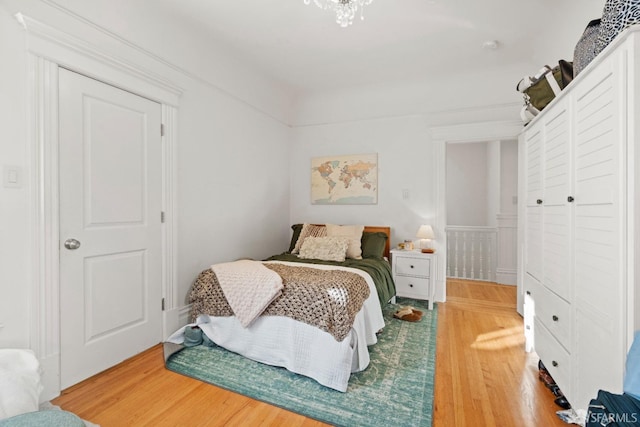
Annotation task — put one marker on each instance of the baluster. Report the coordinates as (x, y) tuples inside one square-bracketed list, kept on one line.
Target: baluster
[(481, 260), (473, 254), (464, 254), (457, 254), (492, 270), (449, 254)]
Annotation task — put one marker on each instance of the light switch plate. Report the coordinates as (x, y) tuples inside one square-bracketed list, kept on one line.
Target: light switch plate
[(12, 176)]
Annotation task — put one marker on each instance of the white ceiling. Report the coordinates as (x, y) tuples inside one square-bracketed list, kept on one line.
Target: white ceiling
[(302, 47)]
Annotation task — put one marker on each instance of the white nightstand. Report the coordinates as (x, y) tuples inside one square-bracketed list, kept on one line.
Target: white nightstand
[(414, 274)]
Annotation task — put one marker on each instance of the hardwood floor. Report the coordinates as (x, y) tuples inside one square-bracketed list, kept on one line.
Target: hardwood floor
[(483, 375), (483, 378)]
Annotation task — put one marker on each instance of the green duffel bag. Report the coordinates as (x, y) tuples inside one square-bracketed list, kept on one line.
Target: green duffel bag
[(541, 89)]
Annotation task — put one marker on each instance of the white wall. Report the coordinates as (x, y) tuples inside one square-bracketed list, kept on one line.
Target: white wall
[(509, 177), (14, 218), (168, 37), (482, 181), (453, 98), (467, 183), (232, 185), (408, 158), (494, 172), (405, 161)]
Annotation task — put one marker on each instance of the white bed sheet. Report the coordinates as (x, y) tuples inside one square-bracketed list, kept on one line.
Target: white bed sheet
[(301, 348)]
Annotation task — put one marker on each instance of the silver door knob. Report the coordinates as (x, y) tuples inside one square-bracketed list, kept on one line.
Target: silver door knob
[(71, 244)]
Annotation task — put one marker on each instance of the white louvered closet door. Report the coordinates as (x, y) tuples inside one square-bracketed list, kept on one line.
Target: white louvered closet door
[(556, 212), (534, 198), (599, 146)]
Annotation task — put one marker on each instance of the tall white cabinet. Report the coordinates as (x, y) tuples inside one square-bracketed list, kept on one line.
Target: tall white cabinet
[(578, 203)]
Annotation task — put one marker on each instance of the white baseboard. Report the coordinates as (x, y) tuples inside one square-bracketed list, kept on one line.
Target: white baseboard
[(506, 277)]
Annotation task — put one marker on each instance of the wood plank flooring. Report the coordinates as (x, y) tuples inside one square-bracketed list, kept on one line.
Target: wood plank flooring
[(483, 378), (483, 375)]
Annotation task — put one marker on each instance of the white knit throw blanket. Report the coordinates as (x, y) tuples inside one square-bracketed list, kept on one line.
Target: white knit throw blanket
[(248, 286)]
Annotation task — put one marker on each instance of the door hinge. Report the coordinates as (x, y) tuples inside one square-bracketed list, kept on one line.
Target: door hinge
[(162, 304), (162, 217), (161, 129)]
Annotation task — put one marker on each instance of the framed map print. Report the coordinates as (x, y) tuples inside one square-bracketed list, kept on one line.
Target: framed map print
[(345, 180)]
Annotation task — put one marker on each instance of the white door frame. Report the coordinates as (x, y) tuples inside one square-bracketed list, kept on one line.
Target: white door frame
[(440, 136), (47, 50)]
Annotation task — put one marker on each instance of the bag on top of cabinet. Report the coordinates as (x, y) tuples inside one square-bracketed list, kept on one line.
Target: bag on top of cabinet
[(616, 16), (540, 89), (585, 49)]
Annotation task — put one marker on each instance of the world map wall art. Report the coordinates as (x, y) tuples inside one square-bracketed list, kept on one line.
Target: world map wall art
[(345, 180)]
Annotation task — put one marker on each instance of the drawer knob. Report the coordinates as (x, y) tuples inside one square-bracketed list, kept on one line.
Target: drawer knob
[(411, 285), (554, 363), (528, 292), (555, 318), (411, 266), (570, 199), (539, 201)]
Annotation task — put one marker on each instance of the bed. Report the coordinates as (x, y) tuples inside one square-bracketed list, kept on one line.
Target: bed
[(327, 347)]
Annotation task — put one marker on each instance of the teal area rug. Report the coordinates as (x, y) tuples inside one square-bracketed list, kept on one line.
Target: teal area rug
[(396, 389)]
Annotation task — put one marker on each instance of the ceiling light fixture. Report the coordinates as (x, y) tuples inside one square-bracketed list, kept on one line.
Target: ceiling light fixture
[(345, 9)]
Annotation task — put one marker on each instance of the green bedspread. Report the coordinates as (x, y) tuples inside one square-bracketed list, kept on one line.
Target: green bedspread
[(378, 269)]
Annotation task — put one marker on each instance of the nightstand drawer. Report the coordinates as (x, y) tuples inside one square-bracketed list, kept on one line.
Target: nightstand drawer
[(415, 287), (407, 266)]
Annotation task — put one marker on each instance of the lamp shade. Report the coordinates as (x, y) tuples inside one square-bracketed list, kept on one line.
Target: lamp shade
[(425, 232)]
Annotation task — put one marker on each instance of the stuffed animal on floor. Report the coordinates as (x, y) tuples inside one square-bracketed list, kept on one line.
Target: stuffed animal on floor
[(408, 314)]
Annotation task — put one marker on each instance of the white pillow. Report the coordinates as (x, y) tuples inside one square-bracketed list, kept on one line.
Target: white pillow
[(19, 382), (324, 248), (309, 230), (353, 232)]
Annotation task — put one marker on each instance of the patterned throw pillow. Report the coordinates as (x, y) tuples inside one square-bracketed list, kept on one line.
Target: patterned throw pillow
[(353, 232), (324, 248), (309, 230)]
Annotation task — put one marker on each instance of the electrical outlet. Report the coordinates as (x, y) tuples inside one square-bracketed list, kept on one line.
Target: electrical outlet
[(405, 194)]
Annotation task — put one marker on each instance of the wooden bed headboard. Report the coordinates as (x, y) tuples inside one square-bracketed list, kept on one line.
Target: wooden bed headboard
[(385, 230)]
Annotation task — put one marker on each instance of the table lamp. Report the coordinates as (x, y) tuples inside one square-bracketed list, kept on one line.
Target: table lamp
[(425, 233)]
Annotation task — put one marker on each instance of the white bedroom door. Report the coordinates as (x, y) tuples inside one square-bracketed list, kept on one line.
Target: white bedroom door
[(110, 169)]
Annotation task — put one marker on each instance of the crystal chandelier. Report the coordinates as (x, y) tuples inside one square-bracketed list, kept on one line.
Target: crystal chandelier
[(345, 9)]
